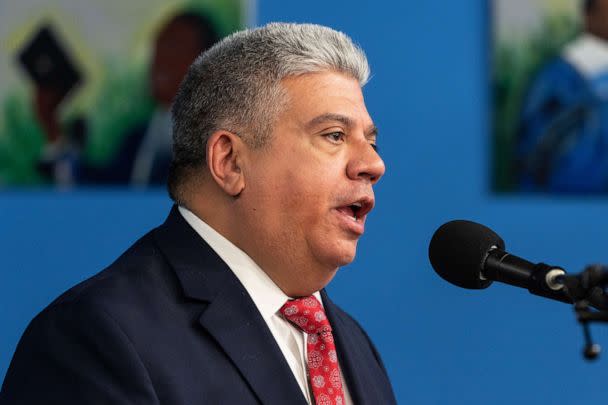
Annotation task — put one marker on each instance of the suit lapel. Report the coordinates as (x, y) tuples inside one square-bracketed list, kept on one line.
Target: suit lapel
[(234, 321), (231, 317)]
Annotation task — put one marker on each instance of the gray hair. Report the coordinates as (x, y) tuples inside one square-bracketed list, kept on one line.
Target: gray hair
[(236, 86)]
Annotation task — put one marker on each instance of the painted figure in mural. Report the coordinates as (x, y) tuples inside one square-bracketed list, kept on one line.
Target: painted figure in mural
[(54, 74), (144, 154), (562, 142)]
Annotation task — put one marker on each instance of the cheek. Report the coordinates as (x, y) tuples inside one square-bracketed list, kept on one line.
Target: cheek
[(280, 197), (296, 182), (297, 191), (298, 201)]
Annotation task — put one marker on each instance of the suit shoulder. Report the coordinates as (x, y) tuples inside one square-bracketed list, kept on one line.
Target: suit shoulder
[(130, 278), (75, 351)]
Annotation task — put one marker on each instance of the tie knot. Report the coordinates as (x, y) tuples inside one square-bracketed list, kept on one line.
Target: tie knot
[(307, 314)]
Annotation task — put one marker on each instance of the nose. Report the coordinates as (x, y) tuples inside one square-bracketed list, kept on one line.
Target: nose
[(365, 163)]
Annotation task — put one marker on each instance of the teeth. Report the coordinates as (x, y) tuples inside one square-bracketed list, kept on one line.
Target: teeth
[(358, 205)]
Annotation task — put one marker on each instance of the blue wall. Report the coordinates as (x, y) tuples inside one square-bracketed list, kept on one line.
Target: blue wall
[(430, 99)]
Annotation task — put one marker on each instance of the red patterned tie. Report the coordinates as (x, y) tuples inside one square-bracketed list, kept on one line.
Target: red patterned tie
[(323, 371)]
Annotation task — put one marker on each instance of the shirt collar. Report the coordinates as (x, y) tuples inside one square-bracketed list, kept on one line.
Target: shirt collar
[(588, 54), (266, 295)]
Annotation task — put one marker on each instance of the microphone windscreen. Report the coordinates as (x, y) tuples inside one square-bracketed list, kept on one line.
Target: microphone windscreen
[(458, 250)]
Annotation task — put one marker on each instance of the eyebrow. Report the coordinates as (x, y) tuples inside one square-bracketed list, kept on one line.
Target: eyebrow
[(371, 131)]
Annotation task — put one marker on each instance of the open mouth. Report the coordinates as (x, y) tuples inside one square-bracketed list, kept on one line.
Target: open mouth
[(357, 209)]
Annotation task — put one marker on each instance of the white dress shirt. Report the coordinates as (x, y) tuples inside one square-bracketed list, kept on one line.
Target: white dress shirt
[(267, 297), (157, 142)]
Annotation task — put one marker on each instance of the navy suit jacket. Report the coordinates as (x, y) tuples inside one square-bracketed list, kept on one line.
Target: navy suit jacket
[(169, 323)]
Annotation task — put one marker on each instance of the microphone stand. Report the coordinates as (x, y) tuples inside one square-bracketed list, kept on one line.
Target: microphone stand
[(587, 290)]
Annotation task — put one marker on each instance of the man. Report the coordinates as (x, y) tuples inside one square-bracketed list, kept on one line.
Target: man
[(562, 143), (144, 156), (273, 168)]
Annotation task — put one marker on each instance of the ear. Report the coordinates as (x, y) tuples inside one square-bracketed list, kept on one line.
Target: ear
[(224, 150)]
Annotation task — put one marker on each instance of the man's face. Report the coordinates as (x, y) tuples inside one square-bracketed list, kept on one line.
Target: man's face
[(310, 189), (175, 48), (597, 19)]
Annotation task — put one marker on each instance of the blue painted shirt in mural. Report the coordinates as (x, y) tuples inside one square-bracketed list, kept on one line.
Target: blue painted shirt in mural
[(563, 134)]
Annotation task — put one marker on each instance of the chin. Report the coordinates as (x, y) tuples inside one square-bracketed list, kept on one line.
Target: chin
[(342, 254)]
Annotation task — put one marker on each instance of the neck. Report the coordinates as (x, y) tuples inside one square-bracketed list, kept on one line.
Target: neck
[(597, 30), (295, 276)]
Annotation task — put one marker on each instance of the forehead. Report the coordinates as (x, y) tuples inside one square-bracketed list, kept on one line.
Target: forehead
[(176, 31), (324, 94)]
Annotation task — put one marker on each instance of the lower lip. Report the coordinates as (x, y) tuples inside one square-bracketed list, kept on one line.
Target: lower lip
[(357, 227)]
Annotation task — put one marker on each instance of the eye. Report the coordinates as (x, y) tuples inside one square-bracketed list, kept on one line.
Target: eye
[(335, 137), (374, 147)]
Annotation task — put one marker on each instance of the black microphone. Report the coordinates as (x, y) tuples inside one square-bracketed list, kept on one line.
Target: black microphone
[(471, 255)]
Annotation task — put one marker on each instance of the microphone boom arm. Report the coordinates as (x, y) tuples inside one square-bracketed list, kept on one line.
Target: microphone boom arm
[(542, 280)]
